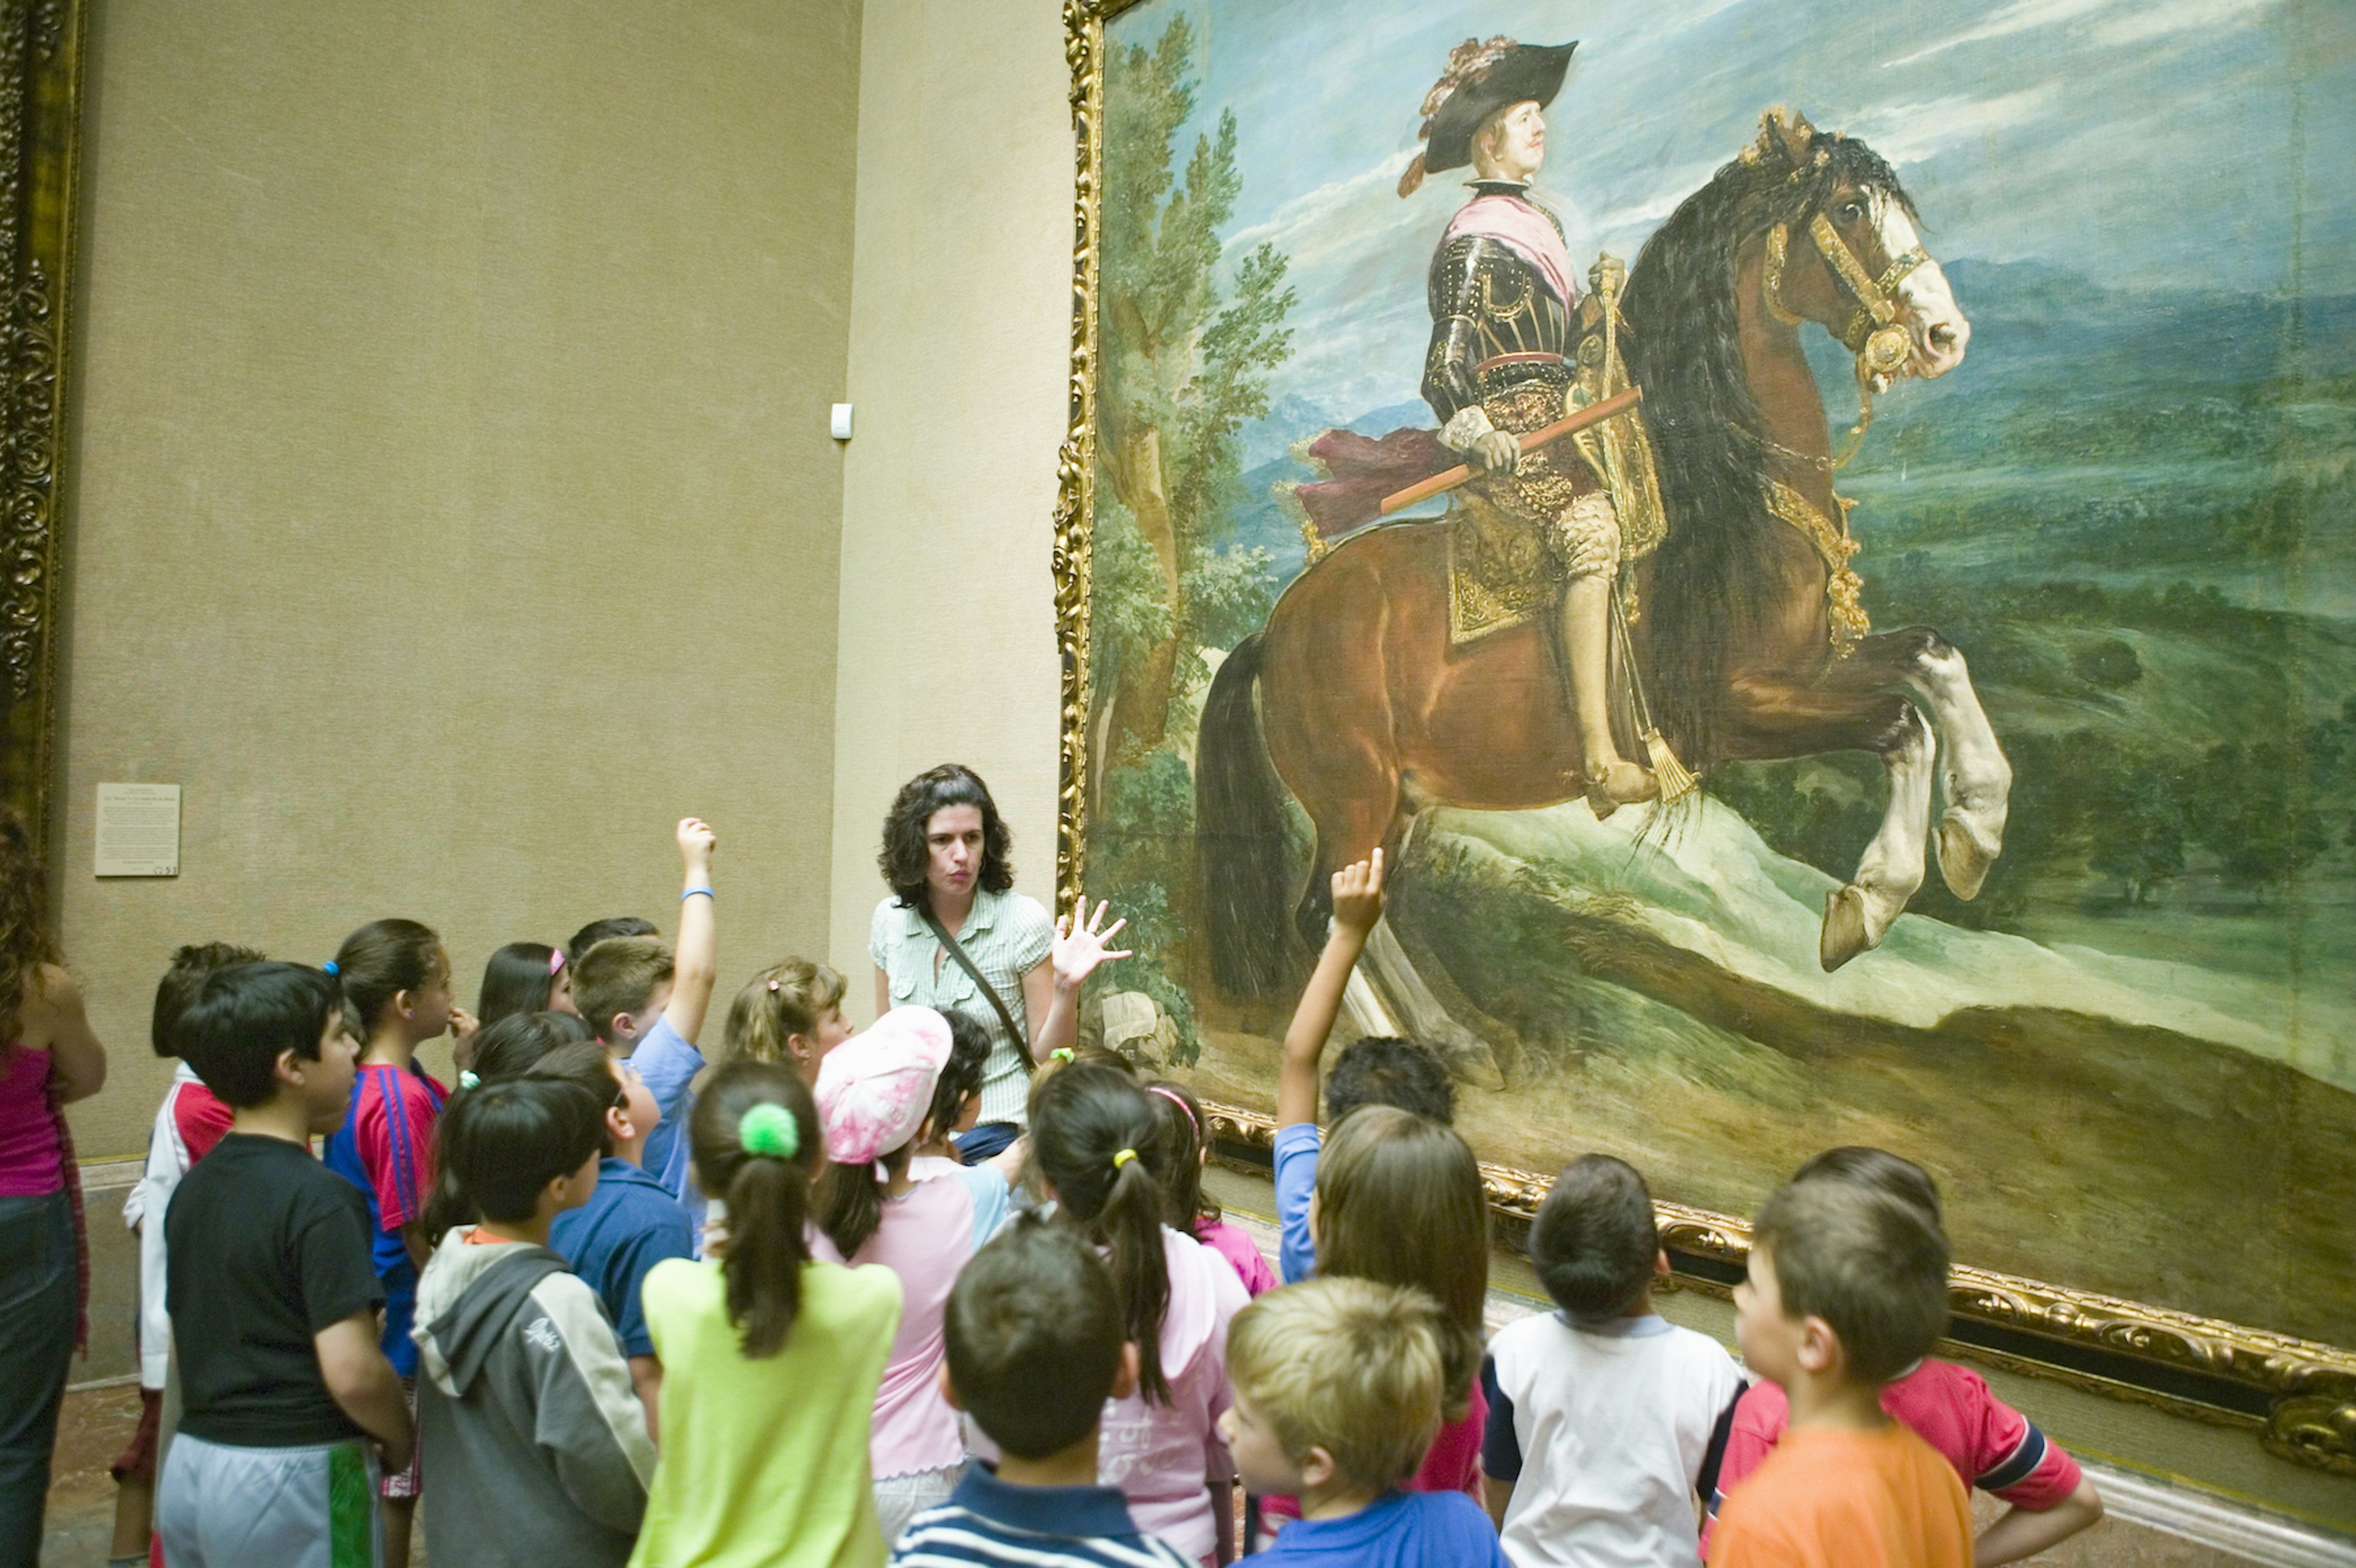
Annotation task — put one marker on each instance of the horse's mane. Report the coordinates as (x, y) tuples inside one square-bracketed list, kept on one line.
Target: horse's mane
[(1711, 572)]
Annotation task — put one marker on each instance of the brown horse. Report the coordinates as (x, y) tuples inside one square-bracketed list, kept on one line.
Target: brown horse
[(1368, 715)]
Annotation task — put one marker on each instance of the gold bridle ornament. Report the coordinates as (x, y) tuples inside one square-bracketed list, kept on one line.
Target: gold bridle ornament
[(1873, 335)]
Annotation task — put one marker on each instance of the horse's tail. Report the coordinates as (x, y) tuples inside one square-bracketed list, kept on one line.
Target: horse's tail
[(1240, 832)]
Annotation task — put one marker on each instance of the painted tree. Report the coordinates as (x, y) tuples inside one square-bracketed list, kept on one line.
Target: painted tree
[(1185, 363)]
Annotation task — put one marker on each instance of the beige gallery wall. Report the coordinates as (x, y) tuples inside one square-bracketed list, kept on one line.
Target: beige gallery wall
[(960, 324), (454, 507)]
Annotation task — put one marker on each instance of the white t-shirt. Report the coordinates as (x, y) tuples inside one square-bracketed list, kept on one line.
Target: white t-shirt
[(1603, 1430)]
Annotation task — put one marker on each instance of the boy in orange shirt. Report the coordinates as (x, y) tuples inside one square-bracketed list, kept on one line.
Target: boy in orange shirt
[(1847, 1288)]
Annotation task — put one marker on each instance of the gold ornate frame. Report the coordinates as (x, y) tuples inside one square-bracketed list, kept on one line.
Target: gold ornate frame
[(2298, 1395), (40, 92)]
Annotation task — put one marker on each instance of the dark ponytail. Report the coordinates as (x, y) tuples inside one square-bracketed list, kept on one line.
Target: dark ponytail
[(852, 1197), (1181, 1123), (763, 1174), (382, 959), (517, 979), (1098, 1142)]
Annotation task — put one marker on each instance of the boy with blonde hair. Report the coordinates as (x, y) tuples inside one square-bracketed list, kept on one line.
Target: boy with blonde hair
[(1847, 1288), (1338, 1396)]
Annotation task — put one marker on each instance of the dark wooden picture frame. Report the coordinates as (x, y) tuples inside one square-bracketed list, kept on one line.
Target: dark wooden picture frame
[(40, 92)]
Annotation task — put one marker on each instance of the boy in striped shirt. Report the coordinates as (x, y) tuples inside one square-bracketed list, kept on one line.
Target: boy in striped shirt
[(1034, 1351)]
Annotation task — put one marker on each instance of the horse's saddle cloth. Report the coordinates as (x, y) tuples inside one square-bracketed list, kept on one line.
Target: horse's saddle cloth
[(1498, 574)]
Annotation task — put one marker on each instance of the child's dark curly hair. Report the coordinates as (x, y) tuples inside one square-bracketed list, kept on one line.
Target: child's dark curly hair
[(905, 855)]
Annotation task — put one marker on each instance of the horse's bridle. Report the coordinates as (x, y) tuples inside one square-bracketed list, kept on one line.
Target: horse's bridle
[(1872, 334)]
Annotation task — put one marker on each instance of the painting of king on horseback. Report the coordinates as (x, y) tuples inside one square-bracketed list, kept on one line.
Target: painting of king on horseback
[(1574, 457)]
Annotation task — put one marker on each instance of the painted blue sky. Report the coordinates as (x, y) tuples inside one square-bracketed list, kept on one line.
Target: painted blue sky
[(2197, 143)]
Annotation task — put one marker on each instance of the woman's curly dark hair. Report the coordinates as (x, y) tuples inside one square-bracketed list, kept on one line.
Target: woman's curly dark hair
[(905, 854)]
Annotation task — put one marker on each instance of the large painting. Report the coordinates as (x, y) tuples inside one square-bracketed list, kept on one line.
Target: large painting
[(1916, 704)]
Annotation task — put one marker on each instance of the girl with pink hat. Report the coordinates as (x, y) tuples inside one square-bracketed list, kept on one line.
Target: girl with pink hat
[(874, 1099)]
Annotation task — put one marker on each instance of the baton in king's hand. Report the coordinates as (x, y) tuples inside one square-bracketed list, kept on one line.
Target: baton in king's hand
[(1448, 479)]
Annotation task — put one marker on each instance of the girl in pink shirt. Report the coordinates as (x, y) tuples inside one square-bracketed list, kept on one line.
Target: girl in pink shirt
[(1104, 1154), (874, 1099), (1189, 1210)]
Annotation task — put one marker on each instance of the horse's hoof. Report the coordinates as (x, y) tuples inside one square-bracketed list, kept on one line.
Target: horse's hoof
[(1844, 934), (1965, 854)]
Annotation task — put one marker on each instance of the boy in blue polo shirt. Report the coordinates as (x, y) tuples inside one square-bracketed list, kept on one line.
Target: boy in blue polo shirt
[(631, 1221)]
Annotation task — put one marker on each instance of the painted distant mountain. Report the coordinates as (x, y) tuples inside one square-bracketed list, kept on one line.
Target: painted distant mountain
[(2111, 426)]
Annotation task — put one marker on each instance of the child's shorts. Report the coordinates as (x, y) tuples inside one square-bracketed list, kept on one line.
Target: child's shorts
[(224, 1507), (405, 1485)]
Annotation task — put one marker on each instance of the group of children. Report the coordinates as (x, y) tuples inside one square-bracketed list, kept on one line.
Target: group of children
[(603, 1303)]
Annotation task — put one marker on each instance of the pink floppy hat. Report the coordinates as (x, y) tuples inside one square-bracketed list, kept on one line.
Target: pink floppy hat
[(874, 1088)]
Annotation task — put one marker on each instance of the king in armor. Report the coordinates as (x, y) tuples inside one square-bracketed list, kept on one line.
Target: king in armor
[(1507, 329)]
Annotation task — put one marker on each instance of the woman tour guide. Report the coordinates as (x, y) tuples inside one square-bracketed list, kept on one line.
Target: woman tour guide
[(954, 934)]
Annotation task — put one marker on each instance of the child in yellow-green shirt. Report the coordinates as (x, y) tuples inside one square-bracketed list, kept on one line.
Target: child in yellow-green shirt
[(770, 1361)]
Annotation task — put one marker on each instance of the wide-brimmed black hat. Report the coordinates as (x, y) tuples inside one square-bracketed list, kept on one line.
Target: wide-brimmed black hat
[(1481, 80)]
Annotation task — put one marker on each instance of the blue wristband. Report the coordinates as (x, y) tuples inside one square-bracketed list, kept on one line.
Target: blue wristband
[(692, 892)]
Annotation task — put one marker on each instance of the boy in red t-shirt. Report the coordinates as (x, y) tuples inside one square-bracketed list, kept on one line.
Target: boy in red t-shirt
[(1846, 1287), (191, 1119), (1991, 1445)]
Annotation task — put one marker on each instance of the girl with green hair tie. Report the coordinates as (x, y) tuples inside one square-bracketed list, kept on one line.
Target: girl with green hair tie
[(770, 1358)]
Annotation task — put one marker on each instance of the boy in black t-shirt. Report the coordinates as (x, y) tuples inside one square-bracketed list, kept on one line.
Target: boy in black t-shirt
[(274, 1296)]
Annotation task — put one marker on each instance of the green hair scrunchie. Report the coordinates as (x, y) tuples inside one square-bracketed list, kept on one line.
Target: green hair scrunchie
[(770, 1131)]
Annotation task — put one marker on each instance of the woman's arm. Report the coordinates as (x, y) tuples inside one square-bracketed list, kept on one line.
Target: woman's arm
[(63, 1029), (884, 991)]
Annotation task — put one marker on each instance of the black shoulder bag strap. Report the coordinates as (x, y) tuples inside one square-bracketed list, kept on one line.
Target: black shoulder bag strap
[(965, 962)]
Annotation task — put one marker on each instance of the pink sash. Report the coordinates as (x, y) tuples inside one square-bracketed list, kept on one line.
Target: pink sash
[(1515, 222)]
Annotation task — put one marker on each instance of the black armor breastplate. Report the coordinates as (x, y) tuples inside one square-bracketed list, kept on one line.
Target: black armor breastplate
[(1488, 304)]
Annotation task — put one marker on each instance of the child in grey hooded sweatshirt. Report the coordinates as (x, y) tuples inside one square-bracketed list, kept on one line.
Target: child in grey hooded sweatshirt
[(536, 1448)]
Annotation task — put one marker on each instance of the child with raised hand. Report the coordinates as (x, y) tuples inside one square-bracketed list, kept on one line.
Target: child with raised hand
[(790, 1012), (1098, 1145), (1338, 1391), (770, 1359), (537, 1448), (524, 977), (191, 1119), (1991, 1445), (1847, 1288), (396, 975), (1035, 1351), (1375, 1070), (630, 1223), (1602, 1414), (875, 1096), (1188, 1209), (274, 1295), (644, 1002)]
